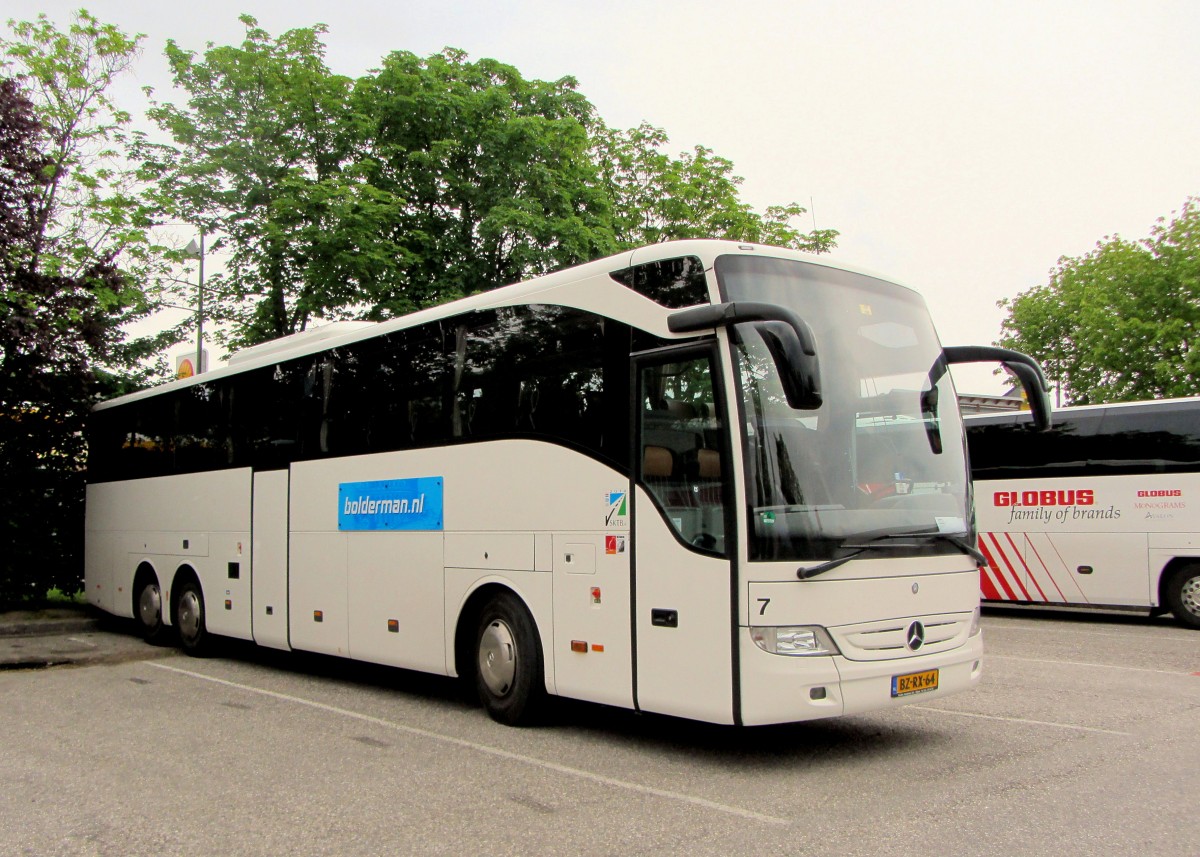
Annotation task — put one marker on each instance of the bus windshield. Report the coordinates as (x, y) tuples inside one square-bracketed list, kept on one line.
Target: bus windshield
[(884, 454)]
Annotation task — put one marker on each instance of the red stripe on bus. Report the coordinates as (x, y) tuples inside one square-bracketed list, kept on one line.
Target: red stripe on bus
[(1009, 595), (1028, 572), (987, 587), (985, 575), (1009, 577), (1046, 569)]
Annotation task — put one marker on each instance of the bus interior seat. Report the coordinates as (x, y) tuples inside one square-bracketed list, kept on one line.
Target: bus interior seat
[(658, 463)]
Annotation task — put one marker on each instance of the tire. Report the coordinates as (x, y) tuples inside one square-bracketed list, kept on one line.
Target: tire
[(1183, 596), (190, 619), (508, 662), (148, 611)]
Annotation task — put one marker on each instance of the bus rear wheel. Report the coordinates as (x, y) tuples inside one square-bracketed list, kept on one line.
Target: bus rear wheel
[(1183, 596), (508, 664), (149, 612), (190, 617)]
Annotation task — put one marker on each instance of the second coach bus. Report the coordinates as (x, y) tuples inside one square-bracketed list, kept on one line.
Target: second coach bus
[(1102, 510), (714, 480)]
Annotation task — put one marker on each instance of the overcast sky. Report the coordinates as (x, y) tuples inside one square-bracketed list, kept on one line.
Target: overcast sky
[(959, 147)]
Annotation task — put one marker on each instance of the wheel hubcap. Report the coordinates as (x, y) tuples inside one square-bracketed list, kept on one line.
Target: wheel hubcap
[(150, 605), (189, 614), (1190, 596), (497, 658)]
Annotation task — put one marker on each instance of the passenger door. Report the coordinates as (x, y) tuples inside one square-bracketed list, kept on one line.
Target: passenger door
[(684, 597)]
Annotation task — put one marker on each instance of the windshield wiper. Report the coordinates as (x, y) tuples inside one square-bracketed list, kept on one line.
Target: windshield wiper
[(886, 540)]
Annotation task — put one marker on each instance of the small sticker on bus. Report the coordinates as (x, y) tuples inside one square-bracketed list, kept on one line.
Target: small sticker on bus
[(617, 514)]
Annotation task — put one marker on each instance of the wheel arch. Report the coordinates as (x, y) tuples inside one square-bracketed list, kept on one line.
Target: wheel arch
[(1181, 572), (468, 620), (1174, 565)]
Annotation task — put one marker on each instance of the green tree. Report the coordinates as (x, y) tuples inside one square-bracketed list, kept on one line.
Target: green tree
[(423, 181), (74, 243), (266, 156), (1119, 323), (656, 197), (52, 327), (89, 210), (494, 171)]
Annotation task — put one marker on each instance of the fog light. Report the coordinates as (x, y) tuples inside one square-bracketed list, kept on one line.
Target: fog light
[(817, 693)]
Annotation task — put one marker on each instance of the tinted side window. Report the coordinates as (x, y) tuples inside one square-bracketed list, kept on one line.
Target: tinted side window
[(546, 372), (674, 283), (266, 415), (105, 438), (542, 371), (1014, 450), (147, 447), (1152, 441), (202, 439), (1156, 439)]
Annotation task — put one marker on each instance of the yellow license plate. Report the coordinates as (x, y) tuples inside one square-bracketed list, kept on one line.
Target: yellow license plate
[(902, 685)]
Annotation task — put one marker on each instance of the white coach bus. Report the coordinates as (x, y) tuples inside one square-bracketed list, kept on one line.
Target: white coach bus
[(1102, 510), (629, 482)]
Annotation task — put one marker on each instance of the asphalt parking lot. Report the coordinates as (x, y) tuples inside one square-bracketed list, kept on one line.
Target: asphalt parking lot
[(1081, 740)]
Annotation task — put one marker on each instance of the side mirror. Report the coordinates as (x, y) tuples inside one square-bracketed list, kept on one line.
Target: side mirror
[(788, 337), (798, 372)]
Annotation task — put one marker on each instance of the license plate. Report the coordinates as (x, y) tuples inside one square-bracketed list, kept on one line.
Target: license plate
[(902, 685)]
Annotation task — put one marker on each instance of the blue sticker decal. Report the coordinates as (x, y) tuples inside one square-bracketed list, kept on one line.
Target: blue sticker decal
[(391, 504)]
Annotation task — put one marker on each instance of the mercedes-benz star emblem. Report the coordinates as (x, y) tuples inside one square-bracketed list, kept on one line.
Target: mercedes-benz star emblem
[(915, 638)]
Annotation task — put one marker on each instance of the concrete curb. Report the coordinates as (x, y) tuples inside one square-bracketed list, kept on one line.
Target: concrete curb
[(48, 627), (75, 635), (49, 621)]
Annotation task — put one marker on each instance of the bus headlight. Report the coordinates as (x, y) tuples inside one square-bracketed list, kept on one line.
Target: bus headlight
[(974, 623), (794, 640)]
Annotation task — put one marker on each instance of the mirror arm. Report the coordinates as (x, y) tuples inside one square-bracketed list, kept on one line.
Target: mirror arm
[(738, 312), (1028, 371)]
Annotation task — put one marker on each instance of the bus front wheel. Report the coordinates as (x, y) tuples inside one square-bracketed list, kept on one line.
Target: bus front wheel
[(1183, 596), (190, 617), (508, 668)]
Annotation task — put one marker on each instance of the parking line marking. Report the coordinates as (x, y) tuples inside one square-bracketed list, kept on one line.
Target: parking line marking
[(1084, 664), (484, 748), (1023, 720)]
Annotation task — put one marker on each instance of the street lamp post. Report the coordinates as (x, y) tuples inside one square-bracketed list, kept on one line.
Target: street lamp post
[(197, 252)]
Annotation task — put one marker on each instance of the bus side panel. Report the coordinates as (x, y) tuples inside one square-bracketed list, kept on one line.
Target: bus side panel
[(591, 611), (1088, 568), (501, 500), (99, 555), (1066, 568), (395, 599), (269, 555), (198, 520), (1082, 540), (318, 617)]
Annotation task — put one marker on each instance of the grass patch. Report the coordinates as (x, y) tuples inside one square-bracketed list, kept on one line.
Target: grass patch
[(57, 596)]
